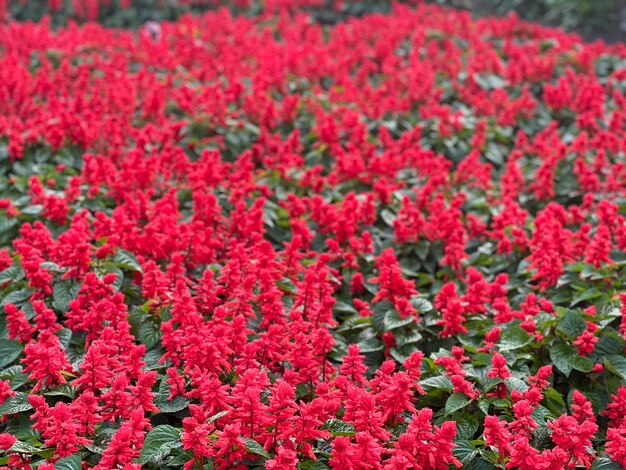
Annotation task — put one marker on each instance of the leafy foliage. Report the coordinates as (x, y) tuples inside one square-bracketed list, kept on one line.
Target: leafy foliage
[(247, 242)]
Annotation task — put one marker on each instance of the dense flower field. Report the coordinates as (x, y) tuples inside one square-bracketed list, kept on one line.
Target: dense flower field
[(260, 243)]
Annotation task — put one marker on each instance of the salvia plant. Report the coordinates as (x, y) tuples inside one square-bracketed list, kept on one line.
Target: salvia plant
[(234, 242)]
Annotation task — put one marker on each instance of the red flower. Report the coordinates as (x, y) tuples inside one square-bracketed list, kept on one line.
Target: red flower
[(46, 361), (499, 369), (352, 366), (616, 444), (229, 448), (126, 442), (575, 438), (7, 440), (5, 390), (196, 433)]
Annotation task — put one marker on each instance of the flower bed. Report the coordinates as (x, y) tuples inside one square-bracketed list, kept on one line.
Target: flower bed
[(233, 242)]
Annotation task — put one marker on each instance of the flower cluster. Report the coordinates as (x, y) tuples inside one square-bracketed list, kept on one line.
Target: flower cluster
[(259, 242)]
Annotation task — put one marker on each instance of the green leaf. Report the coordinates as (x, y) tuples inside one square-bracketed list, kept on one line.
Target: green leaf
[(540, 414), (560, 356), (16, 297), (126, 260), (73, 462), (480, 464), (12, 273), (286, 285), (372, 344), (489, 81), (465, 451), (514, 383), (411, 337), (388, 217), (65, 337), (572, 324), (554, 401), (64, 390), (455, 402), (23, 448), (34, 209), (149, 334), (609, 344), (158, 443), (437, 382), (380, 310), (152, 359), (164, 405), (514, 338), (253, 447), (343, 307), (184, 457), (15, 375), (421, 305), (588, 294), (581, 363), (15, 404), (338, 427), (21, 427), (311, 465), (466, 427), (422, 249), (402, 353), (616, 364), (393, 320), (10, 350), (63, 293), (94, 449), (605, 463)]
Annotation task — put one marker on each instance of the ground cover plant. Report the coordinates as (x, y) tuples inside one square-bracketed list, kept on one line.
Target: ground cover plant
[(234, 242)]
